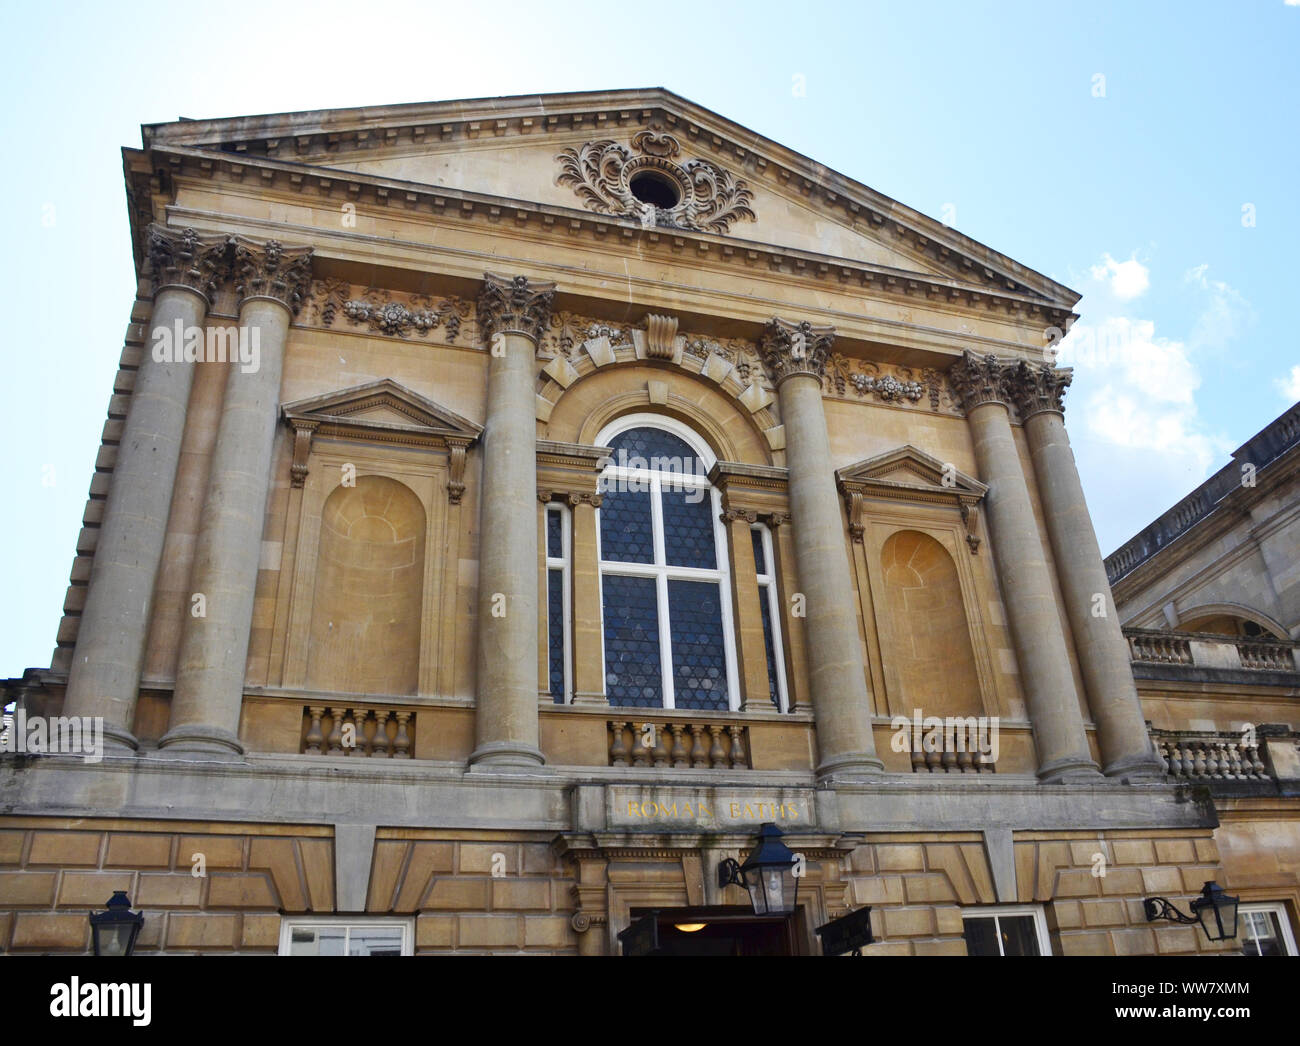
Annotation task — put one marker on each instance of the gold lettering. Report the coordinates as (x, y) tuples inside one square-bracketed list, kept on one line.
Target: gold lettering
[(705, 811), (687, 811), (735, 812), (748, 812), (794, 812), (665, 809), (652, 806), (631, 808)]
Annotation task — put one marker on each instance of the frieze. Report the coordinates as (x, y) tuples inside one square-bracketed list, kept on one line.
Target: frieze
[(336, 303)]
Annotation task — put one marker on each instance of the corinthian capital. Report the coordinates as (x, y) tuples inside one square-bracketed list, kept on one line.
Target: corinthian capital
[(183, 258), (1039, 387), (795, 348), (980, 379), (514, 305), (272, 270)]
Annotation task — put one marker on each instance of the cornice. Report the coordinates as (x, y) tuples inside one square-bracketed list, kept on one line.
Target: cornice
[(304, 181), (323, 133)]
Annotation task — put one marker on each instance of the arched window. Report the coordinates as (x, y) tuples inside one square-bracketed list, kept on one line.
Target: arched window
[(665, 590)]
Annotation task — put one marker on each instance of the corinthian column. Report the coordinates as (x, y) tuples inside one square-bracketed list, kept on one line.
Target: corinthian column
[(1126, 750), (795, 358), (982, 385), (512, 313), (271, 280), (105, 676)]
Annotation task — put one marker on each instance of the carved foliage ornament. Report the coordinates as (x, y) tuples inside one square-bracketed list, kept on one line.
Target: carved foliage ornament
[(795, 348), (181, 257), (709, 198), (1039, 388), (980, 379), (514, 304), (272, 270)]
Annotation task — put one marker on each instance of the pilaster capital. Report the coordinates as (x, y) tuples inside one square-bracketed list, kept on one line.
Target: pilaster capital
[(272, 270), (731, 515), (576, 498), (977, 380), (1039, 387), (183, 258), (795, 348), (514, 305)]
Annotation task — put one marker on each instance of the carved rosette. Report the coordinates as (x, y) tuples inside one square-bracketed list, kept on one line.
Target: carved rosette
[(977, 380), (709, 198), (183, 258), (272, 270), (789, 348), (1039, 387), (514, 305)]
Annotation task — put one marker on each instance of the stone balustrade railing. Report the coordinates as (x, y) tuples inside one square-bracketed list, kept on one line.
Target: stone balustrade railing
[(682, 744), (1205, 650), (377, 733), (1209, 755), (952, 762)]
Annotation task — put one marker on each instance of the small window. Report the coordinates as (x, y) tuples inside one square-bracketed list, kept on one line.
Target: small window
[(329, 936), (1006, 931), (1263, 929), (559, 641), (769, 608)]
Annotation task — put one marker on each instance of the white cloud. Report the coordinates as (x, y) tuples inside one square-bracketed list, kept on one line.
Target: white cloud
[(1128, 279), (1226, 315), (1289, 386)]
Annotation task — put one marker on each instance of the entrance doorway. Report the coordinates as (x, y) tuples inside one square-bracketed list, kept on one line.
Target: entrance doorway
[(730, 930)]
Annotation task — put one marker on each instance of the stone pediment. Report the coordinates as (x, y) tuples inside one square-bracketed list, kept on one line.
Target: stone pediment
[(580, 152), (380, 407), (909, 474), (381, 412)]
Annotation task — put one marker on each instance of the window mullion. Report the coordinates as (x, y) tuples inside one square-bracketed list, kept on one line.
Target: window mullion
[(661, 590)]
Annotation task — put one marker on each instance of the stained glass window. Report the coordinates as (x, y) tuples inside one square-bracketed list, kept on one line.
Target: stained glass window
[(555, 632), (664, 581)]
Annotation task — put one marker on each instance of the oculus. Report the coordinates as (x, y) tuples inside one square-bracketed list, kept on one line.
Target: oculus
[(651, 183)]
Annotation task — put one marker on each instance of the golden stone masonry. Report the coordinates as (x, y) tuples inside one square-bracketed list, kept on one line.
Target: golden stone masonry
[(506, 506)]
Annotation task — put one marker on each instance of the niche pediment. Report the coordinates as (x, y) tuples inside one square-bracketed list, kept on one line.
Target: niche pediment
[(381, 411), (909, 474)]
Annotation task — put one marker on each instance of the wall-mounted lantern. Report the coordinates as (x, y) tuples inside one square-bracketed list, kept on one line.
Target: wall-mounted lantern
[(114, 931), (1214, 910), (768, 874)]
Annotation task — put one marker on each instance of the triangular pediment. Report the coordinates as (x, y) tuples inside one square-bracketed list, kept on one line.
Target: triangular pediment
[(909, 472), (381, 409), (511, 151)]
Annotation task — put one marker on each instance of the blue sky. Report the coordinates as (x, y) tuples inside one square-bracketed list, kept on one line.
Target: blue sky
[(1130, 188)]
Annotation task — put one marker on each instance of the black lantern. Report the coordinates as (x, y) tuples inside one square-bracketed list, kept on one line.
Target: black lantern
[(1215, 910), (768, 874), (115, 930)]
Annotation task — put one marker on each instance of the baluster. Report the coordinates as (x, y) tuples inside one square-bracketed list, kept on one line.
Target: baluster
[(700, 752), (1256, 763), (739, 757), (1211, 760), (679, 754), (717, 757), (335, 740), (640, 753), (402, 743), (617, 749), (1162, 753), (933, 761), (379, 747), (359, 725), (661, 745), (1234, 761), (949, 760), (918, 762), (314, 735), (1198, 759), (966, 762)]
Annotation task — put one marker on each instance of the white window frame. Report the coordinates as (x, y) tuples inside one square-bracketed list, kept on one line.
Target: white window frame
[(348, 923), (562, 563), (1278, 910), (767, 591), (659, 570), (1014, 910)]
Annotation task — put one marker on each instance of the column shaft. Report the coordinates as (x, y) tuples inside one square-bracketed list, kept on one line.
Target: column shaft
[(1030, 602), (214, 647), (511, 314), (104, 679), (1126, 749)]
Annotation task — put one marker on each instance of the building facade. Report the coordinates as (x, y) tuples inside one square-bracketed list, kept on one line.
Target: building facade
[(507, 506)]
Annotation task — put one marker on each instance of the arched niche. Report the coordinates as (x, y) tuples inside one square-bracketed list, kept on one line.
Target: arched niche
[(928, 656), (365, 624)]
